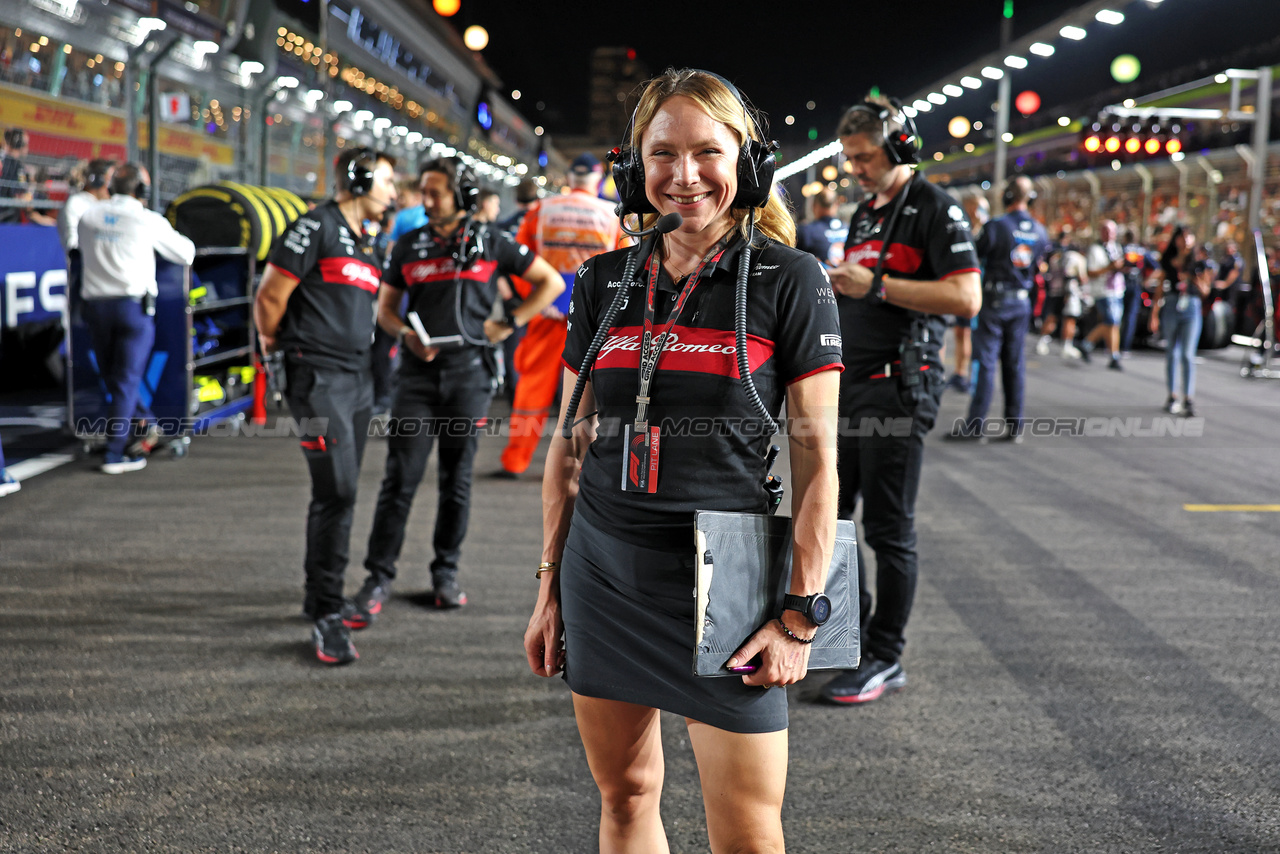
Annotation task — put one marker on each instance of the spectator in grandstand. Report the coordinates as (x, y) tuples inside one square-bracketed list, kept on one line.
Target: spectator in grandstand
[(823, 235), (119, 239), (1106, 282), (1011, 248), (13, 176), (1188, 281), (316, 304), (978, 210)]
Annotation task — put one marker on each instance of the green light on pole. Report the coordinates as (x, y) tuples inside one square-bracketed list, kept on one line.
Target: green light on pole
[(1125, 68), (1008, 8), (813, 133)]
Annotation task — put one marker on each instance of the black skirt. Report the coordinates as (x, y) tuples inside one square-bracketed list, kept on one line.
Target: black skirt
[(629, 635)]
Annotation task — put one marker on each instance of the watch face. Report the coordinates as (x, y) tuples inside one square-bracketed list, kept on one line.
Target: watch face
[(821, 610)]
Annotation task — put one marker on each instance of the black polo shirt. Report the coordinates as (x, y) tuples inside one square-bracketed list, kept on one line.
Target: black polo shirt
[(930, 241), (712, 450), (449, 298), (330, 315)]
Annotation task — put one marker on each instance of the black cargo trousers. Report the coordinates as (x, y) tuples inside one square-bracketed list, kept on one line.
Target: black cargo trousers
[(446, 404), (880, 454), (332, 408)]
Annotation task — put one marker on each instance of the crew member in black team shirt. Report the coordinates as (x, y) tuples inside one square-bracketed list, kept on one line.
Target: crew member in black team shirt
[(615, 608), (316, 303), (450, 268), (909, 258)]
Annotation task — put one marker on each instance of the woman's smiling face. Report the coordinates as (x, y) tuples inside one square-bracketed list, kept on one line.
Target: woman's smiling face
[(690, 165)]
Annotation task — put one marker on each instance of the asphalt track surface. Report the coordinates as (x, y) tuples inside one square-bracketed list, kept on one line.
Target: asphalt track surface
[(1093, 668)]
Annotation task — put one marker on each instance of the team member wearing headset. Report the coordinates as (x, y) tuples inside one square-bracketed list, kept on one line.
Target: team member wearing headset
[(119, 239), (618, 561), (316, 304), (909, 259), (450, 269)]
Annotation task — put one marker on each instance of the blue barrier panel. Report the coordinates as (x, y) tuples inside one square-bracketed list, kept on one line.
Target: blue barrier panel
[(34, 270)]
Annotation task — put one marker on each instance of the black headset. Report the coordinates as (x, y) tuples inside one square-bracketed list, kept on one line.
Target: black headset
[(359, 177), (15, 138), (1010, 193), (903, 145), (95, 177), (466, 189), (756, 163)]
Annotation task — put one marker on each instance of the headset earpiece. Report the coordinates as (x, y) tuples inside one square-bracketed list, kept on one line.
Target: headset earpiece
[(466, 189), (628, 179), (360, 172)]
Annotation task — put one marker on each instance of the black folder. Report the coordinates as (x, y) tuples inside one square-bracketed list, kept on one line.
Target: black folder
[(743, 570)]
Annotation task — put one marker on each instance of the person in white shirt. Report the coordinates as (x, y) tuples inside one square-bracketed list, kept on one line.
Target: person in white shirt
[(1106, 273), (119, 239), (95, 187)]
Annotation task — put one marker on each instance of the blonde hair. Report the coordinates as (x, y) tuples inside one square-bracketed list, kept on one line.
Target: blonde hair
[(717, 101)]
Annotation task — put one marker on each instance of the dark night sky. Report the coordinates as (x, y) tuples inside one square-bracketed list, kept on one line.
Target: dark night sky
[(782, 54)]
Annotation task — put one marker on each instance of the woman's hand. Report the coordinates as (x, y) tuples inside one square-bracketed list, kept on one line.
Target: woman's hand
[(544, 638), (783, 661)]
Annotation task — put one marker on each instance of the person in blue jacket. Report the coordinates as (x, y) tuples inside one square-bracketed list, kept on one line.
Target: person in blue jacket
[(1011, 248)]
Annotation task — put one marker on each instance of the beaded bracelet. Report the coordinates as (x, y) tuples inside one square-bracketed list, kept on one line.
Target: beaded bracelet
[(795, 637), (546, 566)]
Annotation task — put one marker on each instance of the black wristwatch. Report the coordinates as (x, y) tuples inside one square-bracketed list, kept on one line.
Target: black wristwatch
[(816, 608)]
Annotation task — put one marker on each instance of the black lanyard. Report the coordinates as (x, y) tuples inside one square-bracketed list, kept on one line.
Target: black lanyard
[(650, 347)]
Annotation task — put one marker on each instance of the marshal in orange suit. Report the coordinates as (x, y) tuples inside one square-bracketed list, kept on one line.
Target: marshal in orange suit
[(566, 230)]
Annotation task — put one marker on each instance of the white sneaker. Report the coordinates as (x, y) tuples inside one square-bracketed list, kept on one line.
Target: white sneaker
[(8, 485), (1042, 346), (128, 464), (1070, 351)]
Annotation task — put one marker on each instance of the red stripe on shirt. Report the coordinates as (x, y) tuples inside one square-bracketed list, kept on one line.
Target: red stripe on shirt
[(444, 270), (282, 271), (350, 271), (836, 365), (706, 351), (899, 259)]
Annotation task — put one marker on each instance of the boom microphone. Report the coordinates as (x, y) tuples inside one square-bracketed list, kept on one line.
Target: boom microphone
[(665, 225)]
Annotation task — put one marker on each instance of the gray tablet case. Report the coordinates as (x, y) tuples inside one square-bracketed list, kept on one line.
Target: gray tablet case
[(743, 568)]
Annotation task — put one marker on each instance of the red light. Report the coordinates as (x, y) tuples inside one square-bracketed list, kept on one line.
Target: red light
[(1152, 146), (1132, 144), (1092, 144), (1173, 146), (631, 54), (1027, 102), (1112, 145)]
